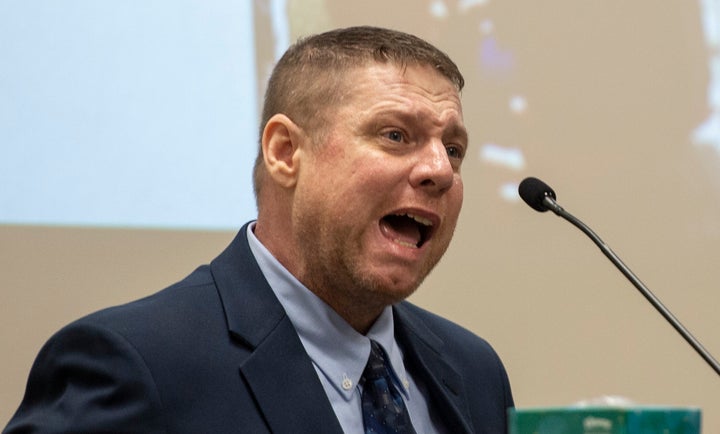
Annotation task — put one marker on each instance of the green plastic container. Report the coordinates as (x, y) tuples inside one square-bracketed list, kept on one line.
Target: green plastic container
[(605, 420)]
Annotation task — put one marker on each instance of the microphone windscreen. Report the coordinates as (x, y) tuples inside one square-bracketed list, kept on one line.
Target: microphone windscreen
[(533, 191)]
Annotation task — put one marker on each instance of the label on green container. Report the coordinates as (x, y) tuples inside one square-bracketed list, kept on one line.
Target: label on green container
[(605, 420)]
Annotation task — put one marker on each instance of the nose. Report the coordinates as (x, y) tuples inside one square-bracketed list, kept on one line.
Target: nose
[(433, 170)]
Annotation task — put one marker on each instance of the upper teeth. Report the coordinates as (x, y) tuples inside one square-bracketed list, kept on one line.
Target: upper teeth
[(422, 220)]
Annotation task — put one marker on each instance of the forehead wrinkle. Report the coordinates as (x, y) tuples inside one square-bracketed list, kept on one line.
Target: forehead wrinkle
[(437, 89), (437, 111), (405, 90), (434, 101), (433, 105)]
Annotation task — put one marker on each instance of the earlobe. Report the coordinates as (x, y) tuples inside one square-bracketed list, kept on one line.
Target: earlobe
[(281, 141)]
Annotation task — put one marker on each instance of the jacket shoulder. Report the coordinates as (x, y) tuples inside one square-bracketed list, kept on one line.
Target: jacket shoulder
[(440, 331)]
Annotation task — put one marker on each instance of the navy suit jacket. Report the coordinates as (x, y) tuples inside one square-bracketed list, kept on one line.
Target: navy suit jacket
[(216, 353)]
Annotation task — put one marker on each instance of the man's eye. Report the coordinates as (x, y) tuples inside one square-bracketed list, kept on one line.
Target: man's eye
[(455, 152), (395, 135)]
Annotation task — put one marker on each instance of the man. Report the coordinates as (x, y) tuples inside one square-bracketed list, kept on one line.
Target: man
[(358, 189)]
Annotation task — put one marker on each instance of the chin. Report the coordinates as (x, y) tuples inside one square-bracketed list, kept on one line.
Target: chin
[(395, 290)]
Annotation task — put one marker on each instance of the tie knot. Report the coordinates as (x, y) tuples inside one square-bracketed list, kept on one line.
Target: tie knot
[(383, 408), (376, 366)]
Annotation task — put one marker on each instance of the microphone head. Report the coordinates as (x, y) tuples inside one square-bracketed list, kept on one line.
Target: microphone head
[(533, 192)]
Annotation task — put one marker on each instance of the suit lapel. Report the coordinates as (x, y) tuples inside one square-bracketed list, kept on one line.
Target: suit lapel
[(278, 371), (422, 351), (286, 386)]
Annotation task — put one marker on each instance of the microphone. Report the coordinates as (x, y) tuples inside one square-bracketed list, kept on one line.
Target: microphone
[(542, 198)]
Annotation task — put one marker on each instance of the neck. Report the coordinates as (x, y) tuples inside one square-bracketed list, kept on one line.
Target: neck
[(361, 314)]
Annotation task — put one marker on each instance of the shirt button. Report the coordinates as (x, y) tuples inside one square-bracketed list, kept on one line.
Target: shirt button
[(347, 383)]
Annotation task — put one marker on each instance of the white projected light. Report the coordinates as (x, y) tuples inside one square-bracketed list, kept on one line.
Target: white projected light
[(119, 115)]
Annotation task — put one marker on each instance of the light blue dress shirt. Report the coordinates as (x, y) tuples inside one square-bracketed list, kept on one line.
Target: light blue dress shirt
[(338, 352)]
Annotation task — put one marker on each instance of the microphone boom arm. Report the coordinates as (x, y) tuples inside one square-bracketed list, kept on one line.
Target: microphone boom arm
[(553, 206)]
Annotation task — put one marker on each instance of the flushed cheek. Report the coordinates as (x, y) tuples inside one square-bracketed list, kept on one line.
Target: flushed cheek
[(456, 196), (452, 215)]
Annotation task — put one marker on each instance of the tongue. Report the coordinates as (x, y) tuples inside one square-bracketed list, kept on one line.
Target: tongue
[(401, 229)]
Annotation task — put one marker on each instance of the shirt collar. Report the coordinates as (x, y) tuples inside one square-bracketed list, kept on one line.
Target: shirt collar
[(336, 349)]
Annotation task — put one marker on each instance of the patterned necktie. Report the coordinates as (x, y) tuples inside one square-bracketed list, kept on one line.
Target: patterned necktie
[(382, 406)]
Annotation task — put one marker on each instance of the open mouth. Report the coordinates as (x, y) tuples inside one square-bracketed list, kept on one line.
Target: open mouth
[(406, 229)]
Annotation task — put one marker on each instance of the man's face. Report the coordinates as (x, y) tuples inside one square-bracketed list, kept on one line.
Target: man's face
[(377, 201)]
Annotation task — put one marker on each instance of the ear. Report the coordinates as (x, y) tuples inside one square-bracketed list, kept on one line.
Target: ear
[(281, 144)]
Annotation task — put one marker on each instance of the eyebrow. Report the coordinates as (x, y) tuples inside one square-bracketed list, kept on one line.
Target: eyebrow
[(458, 131), (454, 129)]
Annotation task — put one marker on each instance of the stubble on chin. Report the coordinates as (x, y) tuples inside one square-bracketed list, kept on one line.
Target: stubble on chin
[(336, 266), (342, 283)]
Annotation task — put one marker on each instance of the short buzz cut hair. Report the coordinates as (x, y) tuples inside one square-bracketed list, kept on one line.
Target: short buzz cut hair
[(308, 78)]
